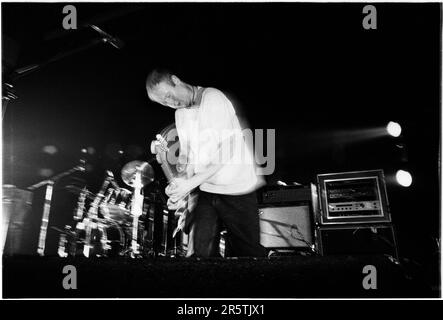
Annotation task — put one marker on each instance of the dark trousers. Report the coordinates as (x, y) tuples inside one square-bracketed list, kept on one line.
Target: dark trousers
[(238, 214)]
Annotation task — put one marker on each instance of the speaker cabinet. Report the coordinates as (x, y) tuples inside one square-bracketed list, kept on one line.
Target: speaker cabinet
[(16, 207), (357, 239), (286, 227)]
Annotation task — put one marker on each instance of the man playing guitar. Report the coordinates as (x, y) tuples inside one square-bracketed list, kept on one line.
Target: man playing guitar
[(219, 163)]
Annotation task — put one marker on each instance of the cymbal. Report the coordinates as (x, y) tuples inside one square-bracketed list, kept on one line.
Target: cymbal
[(129, 170), (125, 191)]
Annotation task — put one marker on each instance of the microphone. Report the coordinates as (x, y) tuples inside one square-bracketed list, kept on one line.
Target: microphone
[(115, 42)]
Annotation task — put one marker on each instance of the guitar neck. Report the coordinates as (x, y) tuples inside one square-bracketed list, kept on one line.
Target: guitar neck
[(162, 159), (167, 170)]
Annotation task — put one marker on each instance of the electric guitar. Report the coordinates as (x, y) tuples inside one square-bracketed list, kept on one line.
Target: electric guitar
[(159, 147)]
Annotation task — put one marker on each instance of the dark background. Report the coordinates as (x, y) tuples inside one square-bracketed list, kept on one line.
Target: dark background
[(310, 71)]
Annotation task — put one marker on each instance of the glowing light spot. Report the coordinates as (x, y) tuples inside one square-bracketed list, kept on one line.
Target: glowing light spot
[(404, 178), (49, 149), (394, 129)]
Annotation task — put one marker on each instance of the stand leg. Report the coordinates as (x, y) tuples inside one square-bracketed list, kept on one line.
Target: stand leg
[(45, 219)]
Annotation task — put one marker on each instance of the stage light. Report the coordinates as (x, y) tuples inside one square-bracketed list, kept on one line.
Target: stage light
[(394, 129), (45, 172), (49, 149), (404, 178), (91, 150)]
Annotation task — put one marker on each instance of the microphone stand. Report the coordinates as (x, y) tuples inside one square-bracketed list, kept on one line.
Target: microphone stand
[(9, 94), (47, 203), (136, 210), (34, 67)]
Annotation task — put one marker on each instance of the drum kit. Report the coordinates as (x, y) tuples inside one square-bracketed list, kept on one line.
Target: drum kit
[(107, 224)]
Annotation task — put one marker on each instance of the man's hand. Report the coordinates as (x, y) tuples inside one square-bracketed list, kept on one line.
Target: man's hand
[(175, 205), (178, 189)]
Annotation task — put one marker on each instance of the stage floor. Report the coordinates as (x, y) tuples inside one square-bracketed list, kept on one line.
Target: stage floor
[(278, 277)]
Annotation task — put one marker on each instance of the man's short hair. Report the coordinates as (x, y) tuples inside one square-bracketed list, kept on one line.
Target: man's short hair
[(156, 76)]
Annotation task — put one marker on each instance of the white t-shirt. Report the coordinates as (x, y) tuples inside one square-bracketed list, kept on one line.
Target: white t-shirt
[(211, 133)]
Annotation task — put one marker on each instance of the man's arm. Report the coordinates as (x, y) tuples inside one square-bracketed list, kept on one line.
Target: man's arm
[(181, 187), (213, 147)]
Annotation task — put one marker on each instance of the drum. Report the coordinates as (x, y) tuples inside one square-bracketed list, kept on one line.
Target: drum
[(117, 209), (115, 213), (112, 239), (107, 238)]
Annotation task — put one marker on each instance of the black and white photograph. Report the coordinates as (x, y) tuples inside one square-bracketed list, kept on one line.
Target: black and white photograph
[(221, 150)]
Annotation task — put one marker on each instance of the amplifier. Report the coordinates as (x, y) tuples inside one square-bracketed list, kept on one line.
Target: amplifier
[(357, 239), (353, 197), (286, 227), (354, 206), (284, 194)]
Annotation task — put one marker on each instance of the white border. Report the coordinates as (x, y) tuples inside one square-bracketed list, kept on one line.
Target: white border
[(209, 299)]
